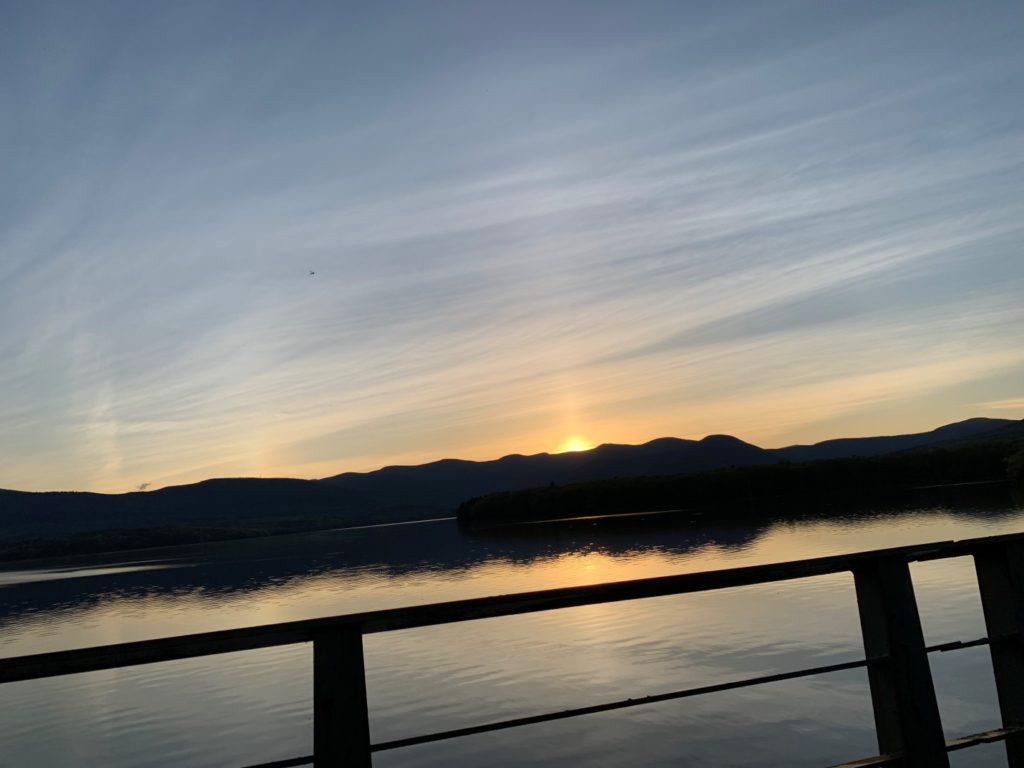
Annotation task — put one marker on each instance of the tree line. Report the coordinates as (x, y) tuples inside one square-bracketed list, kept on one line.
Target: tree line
[(738, 487)]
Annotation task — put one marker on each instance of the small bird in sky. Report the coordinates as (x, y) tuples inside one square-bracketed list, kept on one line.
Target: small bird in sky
[(312, 272)]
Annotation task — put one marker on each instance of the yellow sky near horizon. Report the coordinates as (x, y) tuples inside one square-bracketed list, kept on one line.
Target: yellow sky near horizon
[(804, 414)]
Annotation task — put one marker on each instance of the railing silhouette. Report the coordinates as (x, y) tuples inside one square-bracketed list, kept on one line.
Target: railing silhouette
[(906, 712)]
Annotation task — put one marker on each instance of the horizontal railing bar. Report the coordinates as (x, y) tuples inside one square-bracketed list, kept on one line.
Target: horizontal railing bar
[(250, 638), (957, 645), (289, 763), (877, 761), (985, 737), (871, 762), (41, 665), (964, 547), (621, 704), (640, 701), (952, 745)]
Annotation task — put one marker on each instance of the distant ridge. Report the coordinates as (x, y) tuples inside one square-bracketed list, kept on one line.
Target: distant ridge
[(446, 483), (236, 507), (877, 446), (451, 481)]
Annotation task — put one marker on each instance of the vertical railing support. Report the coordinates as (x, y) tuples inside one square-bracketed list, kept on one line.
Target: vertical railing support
[(902, 692), (341, 720), (1000, 569)]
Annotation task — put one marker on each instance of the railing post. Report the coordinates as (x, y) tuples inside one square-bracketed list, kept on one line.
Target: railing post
[(1000, 569), (341, 721), (902, 692)]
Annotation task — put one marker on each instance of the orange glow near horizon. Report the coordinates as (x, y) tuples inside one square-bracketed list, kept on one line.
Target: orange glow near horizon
[(574, 443)]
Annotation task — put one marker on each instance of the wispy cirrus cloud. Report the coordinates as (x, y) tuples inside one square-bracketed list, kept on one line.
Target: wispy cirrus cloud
[(1010, 404), (618, 223)]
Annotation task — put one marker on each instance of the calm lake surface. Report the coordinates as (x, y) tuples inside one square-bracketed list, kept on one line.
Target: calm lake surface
[(238, 709)]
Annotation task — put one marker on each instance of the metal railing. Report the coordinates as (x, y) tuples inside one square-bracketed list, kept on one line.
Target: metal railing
[(906, 712)]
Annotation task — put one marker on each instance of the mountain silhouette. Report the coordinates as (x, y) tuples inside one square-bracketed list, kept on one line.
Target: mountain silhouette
[(877, 446), (446, 483), (237, 507)]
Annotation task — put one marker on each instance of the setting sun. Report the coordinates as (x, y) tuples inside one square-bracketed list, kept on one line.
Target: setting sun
[(574, 443)]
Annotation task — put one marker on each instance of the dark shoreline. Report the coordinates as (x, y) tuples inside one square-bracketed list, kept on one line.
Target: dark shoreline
[(744, 493), (749, 489)]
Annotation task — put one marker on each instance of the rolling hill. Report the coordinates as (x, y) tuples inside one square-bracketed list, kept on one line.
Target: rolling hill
[(235, 507)]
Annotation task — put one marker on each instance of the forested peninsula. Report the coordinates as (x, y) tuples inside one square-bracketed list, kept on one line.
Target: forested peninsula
[(736, 490)]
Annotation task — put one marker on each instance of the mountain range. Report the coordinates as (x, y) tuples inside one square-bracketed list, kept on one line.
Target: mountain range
[(225, 508)]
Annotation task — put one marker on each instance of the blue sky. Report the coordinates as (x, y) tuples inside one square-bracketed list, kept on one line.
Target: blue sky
[(529, 222)]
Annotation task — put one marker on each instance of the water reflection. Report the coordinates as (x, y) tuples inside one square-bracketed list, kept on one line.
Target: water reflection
[(436, 550), (232, 570)]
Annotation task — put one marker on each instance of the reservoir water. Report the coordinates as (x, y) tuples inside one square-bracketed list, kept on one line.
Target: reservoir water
[(244, 708)]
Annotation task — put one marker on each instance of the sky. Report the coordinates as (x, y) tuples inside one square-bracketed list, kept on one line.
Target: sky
[(296, 239)]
